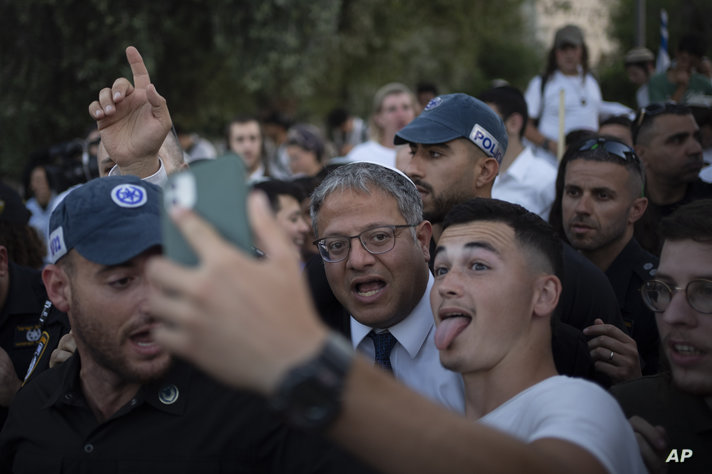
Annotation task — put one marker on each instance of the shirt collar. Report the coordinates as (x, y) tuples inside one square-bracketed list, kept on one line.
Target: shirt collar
[(169, 394), (411, 332)]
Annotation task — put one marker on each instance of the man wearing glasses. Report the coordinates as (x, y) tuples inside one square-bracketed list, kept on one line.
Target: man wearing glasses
[(672, 412), (601, 200), (667, 141), (374, 244)]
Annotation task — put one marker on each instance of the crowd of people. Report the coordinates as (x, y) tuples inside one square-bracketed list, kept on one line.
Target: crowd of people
[(457, 284)]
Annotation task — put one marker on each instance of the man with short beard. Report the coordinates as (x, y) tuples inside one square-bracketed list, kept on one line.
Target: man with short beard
[(602, 199), (120, 402)]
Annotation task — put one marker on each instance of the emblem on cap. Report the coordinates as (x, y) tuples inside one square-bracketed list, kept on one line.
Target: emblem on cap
[(433, 103), (129, 195), (57, 247), (168, 394), (486, 142)]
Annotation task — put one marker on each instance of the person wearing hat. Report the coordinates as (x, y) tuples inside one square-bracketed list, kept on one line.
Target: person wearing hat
[(566, 69), (121, 401), (27, 320), (639, 66), (456, 146)]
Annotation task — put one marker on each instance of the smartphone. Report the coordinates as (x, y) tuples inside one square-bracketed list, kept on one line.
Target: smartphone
[(217, 191)]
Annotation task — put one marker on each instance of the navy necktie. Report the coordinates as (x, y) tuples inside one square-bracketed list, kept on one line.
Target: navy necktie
[(383, 343)]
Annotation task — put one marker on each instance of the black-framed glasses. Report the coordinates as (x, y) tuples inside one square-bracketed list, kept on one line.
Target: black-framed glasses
[(376, 240), (615, 148), (657, 295)]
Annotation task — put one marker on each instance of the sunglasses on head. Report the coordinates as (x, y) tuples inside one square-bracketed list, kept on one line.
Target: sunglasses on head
[(617, 149)]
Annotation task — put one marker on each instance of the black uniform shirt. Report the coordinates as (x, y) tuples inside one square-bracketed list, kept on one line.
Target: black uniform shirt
[(631, 268), (186, 423), (687, 419), (20, 329)]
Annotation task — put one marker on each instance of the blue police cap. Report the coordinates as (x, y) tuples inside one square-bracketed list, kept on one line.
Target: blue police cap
[(452, 116), (107, 220)]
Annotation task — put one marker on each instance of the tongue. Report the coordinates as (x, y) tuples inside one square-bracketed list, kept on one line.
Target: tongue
[(448, 329)]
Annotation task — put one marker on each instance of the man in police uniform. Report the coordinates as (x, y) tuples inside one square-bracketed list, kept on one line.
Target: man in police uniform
[(602, 200), (456, 146), (27, 318), (120, 400)]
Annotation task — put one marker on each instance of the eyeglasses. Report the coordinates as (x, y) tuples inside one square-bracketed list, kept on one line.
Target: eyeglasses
[(657, 295), (376, 241), (617, 149)]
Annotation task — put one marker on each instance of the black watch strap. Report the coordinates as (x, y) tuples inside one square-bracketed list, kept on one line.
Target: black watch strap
[(309, 395)]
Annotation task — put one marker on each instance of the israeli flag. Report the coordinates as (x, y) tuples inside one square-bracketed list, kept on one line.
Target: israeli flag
[(663, 61)]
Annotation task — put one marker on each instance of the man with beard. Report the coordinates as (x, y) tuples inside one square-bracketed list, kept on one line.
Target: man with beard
[(667, 140), (494, 293), (602, 200), (672, 412), (120, 403), (456, 146)]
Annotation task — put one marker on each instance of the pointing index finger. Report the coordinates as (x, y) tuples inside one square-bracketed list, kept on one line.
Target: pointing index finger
[(138, 68)]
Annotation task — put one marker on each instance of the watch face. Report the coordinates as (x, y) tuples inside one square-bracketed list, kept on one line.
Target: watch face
[(310, 395), (313, 403)]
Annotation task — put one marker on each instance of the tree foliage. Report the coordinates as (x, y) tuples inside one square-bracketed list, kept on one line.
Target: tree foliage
[(213, 60)]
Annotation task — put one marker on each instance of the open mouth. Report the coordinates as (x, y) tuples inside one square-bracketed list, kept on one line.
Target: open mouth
[(143, 341), (452, 323), (369, 288)]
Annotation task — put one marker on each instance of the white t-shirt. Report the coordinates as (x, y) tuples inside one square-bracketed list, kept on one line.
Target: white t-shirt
[(373, 152), (530, 181), (574, 410), (582, 101)]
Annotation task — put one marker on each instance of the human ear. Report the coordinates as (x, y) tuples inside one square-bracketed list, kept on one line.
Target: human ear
[(56, 283)]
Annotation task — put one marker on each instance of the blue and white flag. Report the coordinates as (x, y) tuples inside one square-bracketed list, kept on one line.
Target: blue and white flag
[(663, 60)]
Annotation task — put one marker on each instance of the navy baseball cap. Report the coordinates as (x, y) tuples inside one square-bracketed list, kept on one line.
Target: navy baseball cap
[(107, 220), (452, 116)]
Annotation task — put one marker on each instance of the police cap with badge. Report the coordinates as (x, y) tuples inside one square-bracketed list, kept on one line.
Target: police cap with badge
[(107, 220), (452, 116)]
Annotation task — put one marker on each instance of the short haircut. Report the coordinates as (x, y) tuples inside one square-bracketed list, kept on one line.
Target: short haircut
[(509, 100), (368, 178), (308, 137), (530, 230), (240, 119), (646, 117), (572, 153), (274, 188), (691, 221), (617, 120), (633, 164), (389, 89)]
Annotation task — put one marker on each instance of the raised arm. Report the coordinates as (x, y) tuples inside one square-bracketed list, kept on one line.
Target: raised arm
[(133, 120)]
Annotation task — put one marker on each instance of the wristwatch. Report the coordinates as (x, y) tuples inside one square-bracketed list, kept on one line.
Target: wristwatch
[(309, 395)]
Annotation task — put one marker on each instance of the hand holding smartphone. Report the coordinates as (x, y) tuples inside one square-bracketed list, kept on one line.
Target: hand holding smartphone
[(214, 189)]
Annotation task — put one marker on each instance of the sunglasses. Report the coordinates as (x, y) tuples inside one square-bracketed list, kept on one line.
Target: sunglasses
[(617, 149)]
